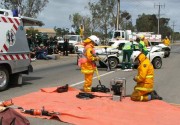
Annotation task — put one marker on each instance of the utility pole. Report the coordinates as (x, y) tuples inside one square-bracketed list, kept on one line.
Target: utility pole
[(173, 25), (159, 12), (118, 15)]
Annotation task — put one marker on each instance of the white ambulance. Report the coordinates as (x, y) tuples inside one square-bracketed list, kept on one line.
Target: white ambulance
[(14, 49)]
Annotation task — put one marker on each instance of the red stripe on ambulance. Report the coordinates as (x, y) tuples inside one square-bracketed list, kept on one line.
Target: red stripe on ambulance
[(15, 23)]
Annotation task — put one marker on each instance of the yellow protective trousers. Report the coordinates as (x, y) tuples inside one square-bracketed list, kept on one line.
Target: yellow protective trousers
[(138, 95), (88, 82)]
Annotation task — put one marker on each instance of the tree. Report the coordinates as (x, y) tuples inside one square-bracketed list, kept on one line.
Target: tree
[(126, 23), (148, 23), (61, 31), (29, 8), (78, 19), (103, 15)]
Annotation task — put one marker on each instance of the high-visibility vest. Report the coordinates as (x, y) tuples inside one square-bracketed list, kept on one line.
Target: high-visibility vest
[(144, 46), (127, 46)]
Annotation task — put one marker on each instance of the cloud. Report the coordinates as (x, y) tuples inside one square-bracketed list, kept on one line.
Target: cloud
[(57, 11)]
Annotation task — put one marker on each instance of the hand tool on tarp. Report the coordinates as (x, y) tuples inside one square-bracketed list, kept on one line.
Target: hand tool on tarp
[(100, 87), (85, 95), (39, 112)]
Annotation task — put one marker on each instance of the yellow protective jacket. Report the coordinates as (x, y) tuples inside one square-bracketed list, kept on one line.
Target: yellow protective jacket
[(166, 42), (145, 76), (88, 66)]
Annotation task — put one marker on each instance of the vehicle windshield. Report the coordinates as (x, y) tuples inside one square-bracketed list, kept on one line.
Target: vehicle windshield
[(72, 38)]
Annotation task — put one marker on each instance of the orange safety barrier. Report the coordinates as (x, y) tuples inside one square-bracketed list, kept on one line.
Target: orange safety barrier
[(99, 110)]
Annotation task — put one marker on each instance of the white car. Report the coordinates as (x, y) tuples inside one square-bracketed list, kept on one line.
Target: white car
[(155, 55), (73, 40), (166, 49)]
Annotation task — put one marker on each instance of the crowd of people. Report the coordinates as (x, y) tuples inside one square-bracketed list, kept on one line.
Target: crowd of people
[(40, 49)]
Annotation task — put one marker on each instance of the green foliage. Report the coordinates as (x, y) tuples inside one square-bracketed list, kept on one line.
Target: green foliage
[(61, 31), (29, 8), (32, 32), (103, 15), (149, 23), (146, 23)]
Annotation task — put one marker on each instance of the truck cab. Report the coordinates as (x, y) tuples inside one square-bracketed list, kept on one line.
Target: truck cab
[(14, 49), (73, 41)]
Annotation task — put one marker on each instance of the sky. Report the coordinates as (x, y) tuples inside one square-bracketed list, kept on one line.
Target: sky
[(57, 12)]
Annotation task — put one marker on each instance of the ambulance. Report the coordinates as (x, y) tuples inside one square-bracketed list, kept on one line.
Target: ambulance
[(14, 49)]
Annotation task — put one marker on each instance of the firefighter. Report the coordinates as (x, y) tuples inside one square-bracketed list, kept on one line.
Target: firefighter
[(166, 41), (142, 45), (87, 62), (143, 91), (127, 52), (81, 31)]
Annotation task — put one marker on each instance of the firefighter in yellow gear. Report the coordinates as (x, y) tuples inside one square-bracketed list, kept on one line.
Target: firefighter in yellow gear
[(81, 31), (143, 91), (166, 41), (87, 63)]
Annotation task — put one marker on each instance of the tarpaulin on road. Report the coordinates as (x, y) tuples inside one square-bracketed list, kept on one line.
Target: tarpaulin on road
[(100, 110)]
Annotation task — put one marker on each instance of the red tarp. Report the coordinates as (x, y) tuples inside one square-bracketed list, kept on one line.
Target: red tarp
[(100, 111)]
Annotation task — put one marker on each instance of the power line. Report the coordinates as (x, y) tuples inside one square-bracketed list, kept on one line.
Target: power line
[(159, 12)]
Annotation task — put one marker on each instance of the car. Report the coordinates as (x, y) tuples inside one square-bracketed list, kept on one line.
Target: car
[(166, 49), (155, 55), (73, 40)]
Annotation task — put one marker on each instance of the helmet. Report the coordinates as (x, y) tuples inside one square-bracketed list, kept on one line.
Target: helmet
[(138, 53), (94, 38), (142, 36)]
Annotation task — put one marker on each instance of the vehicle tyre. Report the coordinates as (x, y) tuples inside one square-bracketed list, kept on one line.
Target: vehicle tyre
[(157, 63), (4, 78), (113, 62), (168, 54), (16, 79)]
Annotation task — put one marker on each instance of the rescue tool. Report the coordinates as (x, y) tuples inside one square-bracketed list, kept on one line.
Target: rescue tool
[(40, 112), (118, 88), (100, 87)]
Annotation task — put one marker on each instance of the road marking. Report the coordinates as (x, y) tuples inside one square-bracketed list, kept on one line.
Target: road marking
[(78, 83)]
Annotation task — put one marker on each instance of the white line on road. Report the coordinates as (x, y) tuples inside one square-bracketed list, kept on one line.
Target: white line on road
[(75, 84)]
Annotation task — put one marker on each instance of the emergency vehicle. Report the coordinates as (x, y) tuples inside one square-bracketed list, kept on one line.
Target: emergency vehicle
[(14, 49)]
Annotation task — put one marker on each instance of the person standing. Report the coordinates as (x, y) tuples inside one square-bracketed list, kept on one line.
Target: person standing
[(127, 52), (87, 61), (65, 47), (142, 45), (143, 91), (166, 41), (81, 30)]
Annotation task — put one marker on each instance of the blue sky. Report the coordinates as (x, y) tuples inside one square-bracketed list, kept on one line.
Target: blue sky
[(57, 12)]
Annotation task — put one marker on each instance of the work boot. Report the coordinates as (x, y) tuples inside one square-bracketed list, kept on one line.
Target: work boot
[(155, 96)]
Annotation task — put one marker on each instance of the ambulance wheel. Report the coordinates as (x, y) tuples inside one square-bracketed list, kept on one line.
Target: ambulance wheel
[(4, 78), (16, 79)]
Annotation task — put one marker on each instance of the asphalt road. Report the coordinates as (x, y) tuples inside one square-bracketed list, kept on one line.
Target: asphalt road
[(65, 71)]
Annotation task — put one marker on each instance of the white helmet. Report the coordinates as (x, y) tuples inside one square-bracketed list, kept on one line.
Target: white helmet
[(95, 39)]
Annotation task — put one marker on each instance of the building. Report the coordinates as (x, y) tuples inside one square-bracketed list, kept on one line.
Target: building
[(50, 31)]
